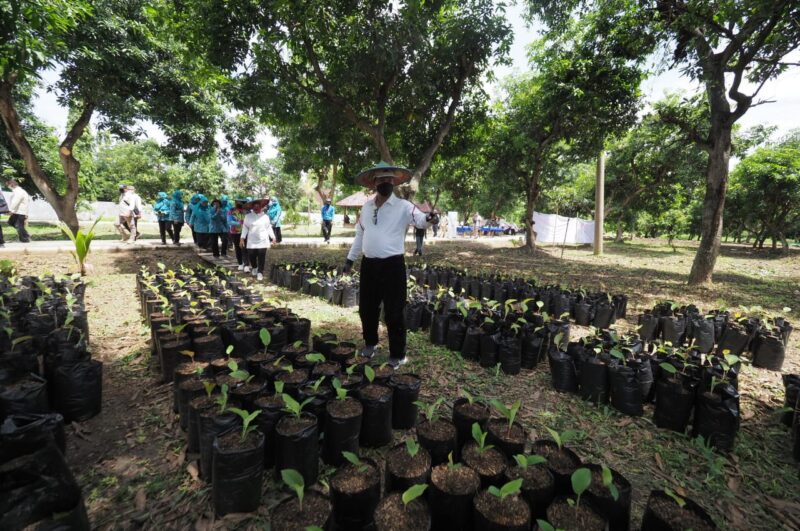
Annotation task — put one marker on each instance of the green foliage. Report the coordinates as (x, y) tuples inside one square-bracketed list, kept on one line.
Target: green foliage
[(412, 493), (524, 461), (82, 242), (581, 479), (353, 458), (480, 438), (563, 437), (247, 419), (412, 447), (429, 410), (509, 412), (369, 372), (293, 406), (608, 482), (341, 392), (510, 488), (294, 480)]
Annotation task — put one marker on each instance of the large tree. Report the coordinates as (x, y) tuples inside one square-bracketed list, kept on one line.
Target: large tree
[(384, 66), (732, 47), (119, 62)]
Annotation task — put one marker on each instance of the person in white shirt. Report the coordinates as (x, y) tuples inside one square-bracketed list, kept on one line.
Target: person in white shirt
[(380, 236), (257, 237), (19, 206), (129, 202)]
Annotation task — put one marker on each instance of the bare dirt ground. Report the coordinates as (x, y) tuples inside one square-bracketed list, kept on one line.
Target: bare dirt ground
[(131, 463)]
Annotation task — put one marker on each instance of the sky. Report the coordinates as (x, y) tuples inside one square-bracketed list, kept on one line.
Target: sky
[(784, 114)]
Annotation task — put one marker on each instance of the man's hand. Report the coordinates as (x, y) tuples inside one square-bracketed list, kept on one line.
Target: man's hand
[(432, 218), (348, 267)]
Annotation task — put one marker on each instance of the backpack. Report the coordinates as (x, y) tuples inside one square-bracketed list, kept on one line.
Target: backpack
[(3, 205)]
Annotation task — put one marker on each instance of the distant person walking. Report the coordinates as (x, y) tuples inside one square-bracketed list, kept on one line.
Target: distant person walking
[(218, 229), (328, 213), (257, 237), (435, 228), (177, 215), (202, 222), (191, 208), (126, 224), (19, 205), (275, 213), (235, 220), (137, 209), (162, 210), (3, 210)]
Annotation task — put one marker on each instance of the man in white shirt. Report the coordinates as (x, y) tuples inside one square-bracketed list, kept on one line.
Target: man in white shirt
[(19, 205), (380, 236), (128, 204)]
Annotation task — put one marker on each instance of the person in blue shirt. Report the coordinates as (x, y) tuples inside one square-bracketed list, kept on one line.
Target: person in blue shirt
[(176, 216), (328, 212), (162, 208), (275, 212), (218, 229), (201, 221), (194, 202)]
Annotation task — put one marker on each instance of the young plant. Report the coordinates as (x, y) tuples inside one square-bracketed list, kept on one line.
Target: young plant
[(509, 489), (412, 493), (509, 412), (265, 338), (293, 406), (677, 499), (480, 438), (238, 374), (581, 479), (412, 447), (608, 482), (369, 372), (450, 464), (429, 410), (247, 419), (279, 387), (353, 458), (222, 401), (524, 461), (615, 352), (294, 480), (228, 351), (341, 392), (209, 386), (82, 242), (315, 385), (563, 437), (189, 353), (315, 357)]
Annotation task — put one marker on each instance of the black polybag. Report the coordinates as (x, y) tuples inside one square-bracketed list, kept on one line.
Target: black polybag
[(594, 382), (456, 330), (675, 399), (626, 394), (509, 353), (299, 450), (438, 334), (562, 370), (22, 434), (211, 426), (237, 476), (404, 410), (341, 435), (78, 390), (489, 348), (376, 422), (471, 346), (717, 417), (28, 396)]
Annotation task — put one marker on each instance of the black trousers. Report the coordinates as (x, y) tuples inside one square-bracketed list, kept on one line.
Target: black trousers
[(176, 231), (18, 222), (383, 280), (326, 229), (195, 239), (419, 235), (2, 241), (236, 239), (164, 228), (218, 241), (258, 258), (202, 239), (278, 237)]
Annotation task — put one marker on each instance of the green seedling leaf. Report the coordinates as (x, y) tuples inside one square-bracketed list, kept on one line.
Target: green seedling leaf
[(581, 479), (229, 350), (294, 481), (412, 493), (544, 525), (369, 372), (680, 501), (608, 482), (512, 487), (353, 458), (315, 357), (412, 447), (668, 367), (265, 337)]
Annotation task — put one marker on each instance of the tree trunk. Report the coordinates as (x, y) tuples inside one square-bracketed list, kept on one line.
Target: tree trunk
[(620, 234), (784, 241), (531, 196), (713, 203)]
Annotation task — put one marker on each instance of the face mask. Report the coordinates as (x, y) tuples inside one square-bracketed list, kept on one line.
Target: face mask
[(385, 189), (257, 210)]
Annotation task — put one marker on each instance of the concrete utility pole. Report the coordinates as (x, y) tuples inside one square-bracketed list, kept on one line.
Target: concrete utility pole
[(599, 203)]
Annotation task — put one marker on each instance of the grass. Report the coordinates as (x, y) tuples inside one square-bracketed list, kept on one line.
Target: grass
[(135, 444)]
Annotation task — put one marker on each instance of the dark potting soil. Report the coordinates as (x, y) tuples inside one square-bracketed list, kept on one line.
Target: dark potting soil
[(499, 427), (352, 379), (187, 369), (375, 392), (392, 515), (345, 409), (191, 385), (562, 516), (295, 377), (437, 431), (490, 463), (289, 426), (225, 379), (383, 372), (233, 441), (534, 477), (557, 460), (269, 401), (222, 363), (291, 349), (456, 481), (478, 412), (403, 465), (288, 516), (343, 351), (405, 379), (247, 388), (261, 357), (328, 368), (356, 360), (203, 402), (351, 479), (598, 489), (510, 511), (679, 517)]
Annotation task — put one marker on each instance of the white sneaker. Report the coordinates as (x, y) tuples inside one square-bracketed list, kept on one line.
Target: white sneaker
[(246, 269), (254, 272), (241, 267), (396, 364), (260, 277)]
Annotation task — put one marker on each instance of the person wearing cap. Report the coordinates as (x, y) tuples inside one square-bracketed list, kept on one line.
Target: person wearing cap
[(218, 229), (235, 219), (191, 208), (257, 237), (201, 218), (137, 209), (328, 213), (380, 237), (176, 215), (162, 209), (19, 205), (275, 213), (125, 223)]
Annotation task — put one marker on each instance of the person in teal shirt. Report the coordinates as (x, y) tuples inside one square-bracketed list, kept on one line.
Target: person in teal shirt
[(162, 209), (274, 212), (201, 220), (190, 210), (218, 229), (176, 216), (328, 212)]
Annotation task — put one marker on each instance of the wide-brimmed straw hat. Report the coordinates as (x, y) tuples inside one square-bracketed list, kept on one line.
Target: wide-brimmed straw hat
[(383, 169), (258, 200)]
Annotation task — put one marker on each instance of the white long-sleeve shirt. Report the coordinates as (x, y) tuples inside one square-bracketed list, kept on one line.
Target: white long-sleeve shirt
[(386, 237), (128, 202), (257, 230), (20, 202)]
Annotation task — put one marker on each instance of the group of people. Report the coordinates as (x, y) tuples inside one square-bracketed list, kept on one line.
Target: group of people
[(17, 208)]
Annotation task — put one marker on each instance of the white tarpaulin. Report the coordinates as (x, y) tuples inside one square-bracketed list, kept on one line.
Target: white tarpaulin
[(552, 228)]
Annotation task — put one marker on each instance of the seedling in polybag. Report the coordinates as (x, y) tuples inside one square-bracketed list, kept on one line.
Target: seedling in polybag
[(19, 340), (293, 406), (209, 386), (524, 461), (509, 412), (228, 351), (279, 387), (315, 357), (677, 499), (315, 385), (297, 344), (608, 482), (563, 437), (450, 464), (544, 525), (294, 480), (470, 398), (222, 401), (412, 447), (581, 479), (265, 338), (341, 392), (247, 419), (429, 410), (412, 493), (480, 438), (619, 355), (369, 372), (353, 458), (509, 489)]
